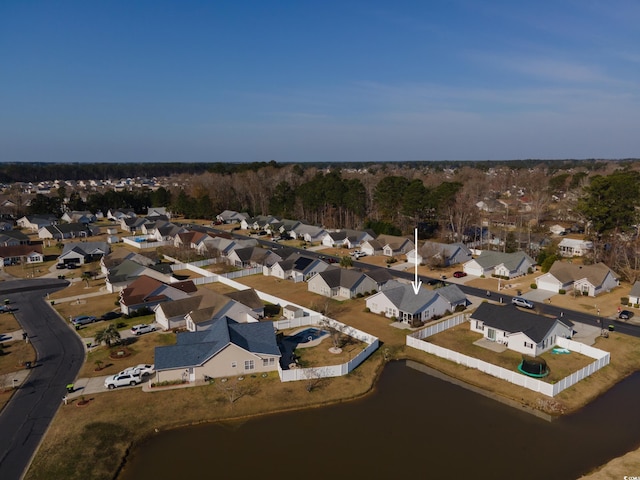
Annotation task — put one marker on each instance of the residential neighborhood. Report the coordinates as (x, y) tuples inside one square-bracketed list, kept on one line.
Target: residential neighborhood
[(241, 297)]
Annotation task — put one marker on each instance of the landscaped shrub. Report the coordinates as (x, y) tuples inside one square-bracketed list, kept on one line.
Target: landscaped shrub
[(534, 286), (562, 291), (367, 310), (636, 305), (624, 300)]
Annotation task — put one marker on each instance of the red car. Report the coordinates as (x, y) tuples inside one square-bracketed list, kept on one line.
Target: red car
[(459, 274)]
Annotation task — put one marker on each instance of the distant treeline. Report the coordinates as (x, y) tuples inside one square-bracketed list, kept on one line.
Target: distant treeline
[(38, 172)]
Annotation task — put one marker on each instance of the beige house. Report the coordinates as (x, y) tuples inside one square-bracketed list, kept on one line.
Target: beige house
[(226, 349)]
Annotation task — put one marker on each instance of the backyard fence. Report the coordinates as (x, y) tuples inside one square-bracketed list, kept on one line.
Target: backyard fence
[(602, 358), (296, 374)]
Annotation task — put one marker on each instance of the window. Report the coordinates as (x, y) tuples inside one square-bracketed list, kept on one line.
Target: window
[(249, 365), (268, 361), (234, 364)]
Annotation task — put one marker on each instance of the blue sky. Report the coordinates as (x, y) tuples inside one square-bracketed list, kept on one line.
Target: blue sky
[(296, 81)]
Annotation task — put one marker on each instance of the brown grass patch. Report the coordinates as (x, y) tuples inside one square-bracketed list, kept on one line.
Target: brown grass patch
[(461, 338), (8, 323), (78, 288), (14, 355), (141, 350), (97, 306)]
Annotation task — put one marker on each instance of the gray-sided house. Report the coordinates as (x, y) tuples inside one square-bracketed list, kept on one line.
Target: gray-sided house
[(588, 280), (509, 265), (341, 282), (231, 216), (440, 254), (68, 230), (519, 330), (400, 301), (83, 252), (226, 349)]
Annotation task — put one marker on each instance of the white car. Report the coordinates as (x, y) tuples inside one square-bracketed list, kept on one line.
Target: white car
[(142, 328), (122, 380), (142, 370)]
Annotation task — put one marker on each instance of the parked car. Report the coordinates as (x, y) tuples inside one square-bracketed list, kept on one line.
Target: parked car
[(71, 266), (7, 309), (521, 302), (111, 316), (83, 319), (122, 380), (60, 266), (459, 274), (145, 369), (625, 315), (142, 328)]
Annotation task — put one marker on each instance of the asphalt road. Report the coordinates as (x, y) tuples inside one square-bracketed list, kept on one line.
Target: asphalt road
[(575, 316), (60, 354)]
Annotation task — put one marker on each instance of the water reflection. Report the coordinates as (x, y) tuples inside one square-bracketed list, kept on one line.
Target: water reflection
[(413, 425)]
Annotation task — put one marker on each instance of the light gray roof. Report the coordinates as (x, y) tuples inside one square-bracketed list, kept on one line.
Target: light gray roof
[(452, 294), (406, 300), (196, 348), (635, 289), (489, 259)]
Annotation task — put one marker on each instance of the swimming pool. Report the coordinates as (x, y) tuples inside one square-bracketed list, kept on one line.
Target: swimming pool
[(309, 335)]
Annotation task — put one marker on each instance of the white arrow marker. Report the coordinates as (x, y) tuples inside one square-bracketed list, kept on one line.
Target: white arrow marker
[(416, 283)]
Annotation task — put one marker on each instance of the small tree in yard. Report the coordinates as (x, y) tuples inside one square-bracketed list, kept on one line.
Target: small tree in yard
[(335, 334), (86, 276), (109, 335), (314, 378)]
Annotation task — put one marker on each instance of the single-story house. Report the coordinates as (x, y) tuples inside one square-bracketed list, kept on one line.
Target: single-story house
[(36, 222), (498, 263), (440, 254), (82, 252), (296, 267), (198, 311), (519, 330), (68, 230), (588, 280), (148, 292), (15, 254), (226, 349), (634, 295), (341, 282), (574, 247), (399, 300), (231, 216)]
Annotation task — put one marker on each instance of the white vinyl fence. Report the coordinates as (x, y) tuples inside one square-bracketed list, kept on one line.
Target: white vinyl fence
[(296, 374), (311, 318), (135, 242), (602, 358)]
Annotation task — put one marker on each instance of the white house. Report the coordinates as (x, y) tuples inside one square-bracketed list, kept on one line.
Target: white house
[(519, 330), (588, 280), (634, 295), (498, 263), (398, 300), (298, 268), (573, 247)]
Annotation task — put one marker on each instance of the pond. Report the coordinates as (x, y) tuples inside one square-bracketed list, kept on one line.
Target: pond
[(413, 425)]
